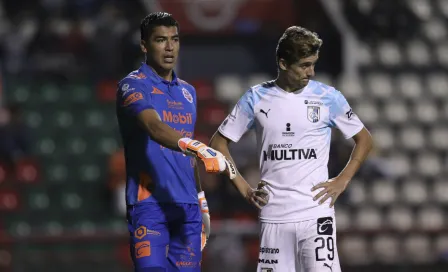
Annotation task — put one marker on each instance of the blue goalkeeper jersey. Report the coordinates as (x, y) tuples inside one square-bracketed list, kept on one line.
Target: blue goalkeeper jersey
[(155, 173)]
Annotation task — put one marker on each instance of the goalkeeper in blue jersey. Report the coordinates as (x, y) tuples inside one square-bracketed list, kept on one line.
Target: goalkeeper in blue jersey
[(167, 212)]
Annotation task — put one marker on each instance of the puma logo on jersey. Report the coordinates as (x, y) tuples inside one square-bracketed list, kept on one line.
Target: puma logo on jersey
[(327, 265), (264, 112)]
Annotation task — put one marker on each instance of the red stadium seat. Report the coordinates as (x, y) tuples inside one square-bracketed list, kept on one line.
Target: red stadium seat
[(106, 90), (253, 249), (122, 254), (9, 200), (5, 260), (202, 137), (213, 113), (27, 171), (245, 216), (204, 89), (4, 173)]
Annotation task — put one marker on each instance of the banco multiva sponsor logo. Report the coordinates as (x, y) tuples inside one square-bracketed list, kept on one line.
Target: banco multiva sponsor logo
[(285, 152)]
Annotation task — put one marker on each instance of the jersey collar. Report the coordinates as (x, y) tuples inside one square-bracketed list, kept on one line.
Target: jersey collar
[(300, 91), (149, 72)]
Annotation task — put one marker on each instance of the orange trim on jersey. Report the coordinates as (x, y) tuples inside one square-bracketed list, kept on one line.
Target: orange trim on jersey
[(132, 98), (145, 187), (138, 76), (156, 91)]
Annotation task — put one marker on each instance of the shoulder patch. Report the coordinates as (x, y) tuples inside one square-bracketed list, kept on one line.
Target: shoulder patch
[(125, 88), (129, 83), (134, 97)]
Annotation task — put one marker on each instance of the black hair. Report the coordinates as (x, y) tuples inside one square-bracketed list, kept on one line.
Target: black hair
[(153, 20)]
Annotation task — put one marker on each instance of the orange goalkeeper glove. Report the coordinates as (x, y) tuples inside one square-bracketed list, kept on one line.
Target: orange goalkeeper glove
[(214, 161), (205, 219)]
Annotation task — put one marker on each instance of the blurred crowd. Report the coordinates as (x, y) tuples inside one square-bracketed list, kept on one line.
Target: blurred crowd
[(14, 137), (69, 39)]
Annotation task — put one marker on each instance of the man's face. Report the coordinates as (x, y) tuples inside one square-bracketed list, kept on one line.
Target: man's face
[(301, 72), (162, 47)]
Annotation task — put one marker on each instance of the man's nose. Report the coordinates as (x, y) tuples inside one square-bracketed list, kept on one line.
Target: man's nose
[(310, 72), (169, 46)]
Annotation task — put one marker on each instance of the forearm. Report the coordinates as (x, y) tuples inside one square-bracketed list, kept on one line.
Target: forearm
[(197, 177), (241, 185), (165, 135), (357, 158), (158, 130), (238, 182)]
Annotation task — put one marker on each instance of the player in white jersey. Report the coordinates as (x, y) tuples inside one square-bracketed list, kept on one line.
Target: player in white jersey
[(293, 117)]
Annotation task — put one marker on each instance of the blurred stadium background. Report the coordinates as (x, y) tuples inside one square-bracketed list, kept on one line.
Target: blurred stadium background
[(61, 170)]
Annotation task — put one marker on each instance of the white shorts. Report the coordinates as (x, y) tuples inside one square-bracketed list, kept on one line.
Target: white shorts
[(307, 246)]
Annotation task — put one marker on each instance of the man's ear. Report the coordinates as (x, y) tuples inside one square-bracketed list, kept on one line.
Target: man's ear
[(143, 46), (282, 64)]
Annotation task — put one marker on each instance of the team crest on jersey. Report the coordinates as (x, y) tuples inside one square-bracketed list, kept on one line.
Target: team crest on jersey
[(313, 114), (125, 87), (187, 95)]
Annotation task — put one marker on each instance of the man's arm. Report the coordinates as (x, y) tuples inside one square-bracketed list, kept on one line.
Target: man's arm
[(136, 103), (256, 197), (363, 145), (335, 186), (160, 132), (163, 134), (197, 176)]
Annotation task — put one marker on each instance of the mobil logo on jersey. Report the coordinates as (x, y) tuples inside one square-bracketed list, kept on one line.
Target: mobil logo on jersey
[(177, 118)]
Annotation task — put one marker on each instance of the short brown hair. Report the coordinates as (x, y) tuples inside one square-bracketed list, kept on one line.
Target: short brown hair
[(297, 43)]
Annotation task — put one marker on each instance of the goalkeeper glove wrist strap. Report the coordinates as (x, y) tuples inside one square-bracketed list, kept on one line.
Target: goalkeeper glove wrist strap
[(203, 202)]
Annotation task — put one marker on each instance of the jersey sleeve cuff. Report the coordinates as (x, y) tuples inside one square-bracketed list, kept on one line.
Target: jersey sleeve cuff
[(356, 131), (234, 139)]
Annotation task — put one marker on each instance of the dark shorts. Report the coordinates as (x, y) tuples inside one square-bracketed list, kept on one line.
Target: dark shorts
[(165, 237)]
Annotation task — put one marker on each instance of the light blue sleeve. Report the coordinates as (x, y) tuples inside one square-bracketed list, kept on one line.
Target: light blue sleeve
[(241, 119), (343, 117)]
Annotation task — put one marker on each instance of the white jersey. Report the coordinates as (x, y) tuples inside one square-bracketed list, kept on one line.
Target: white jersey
[(293, 143)]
